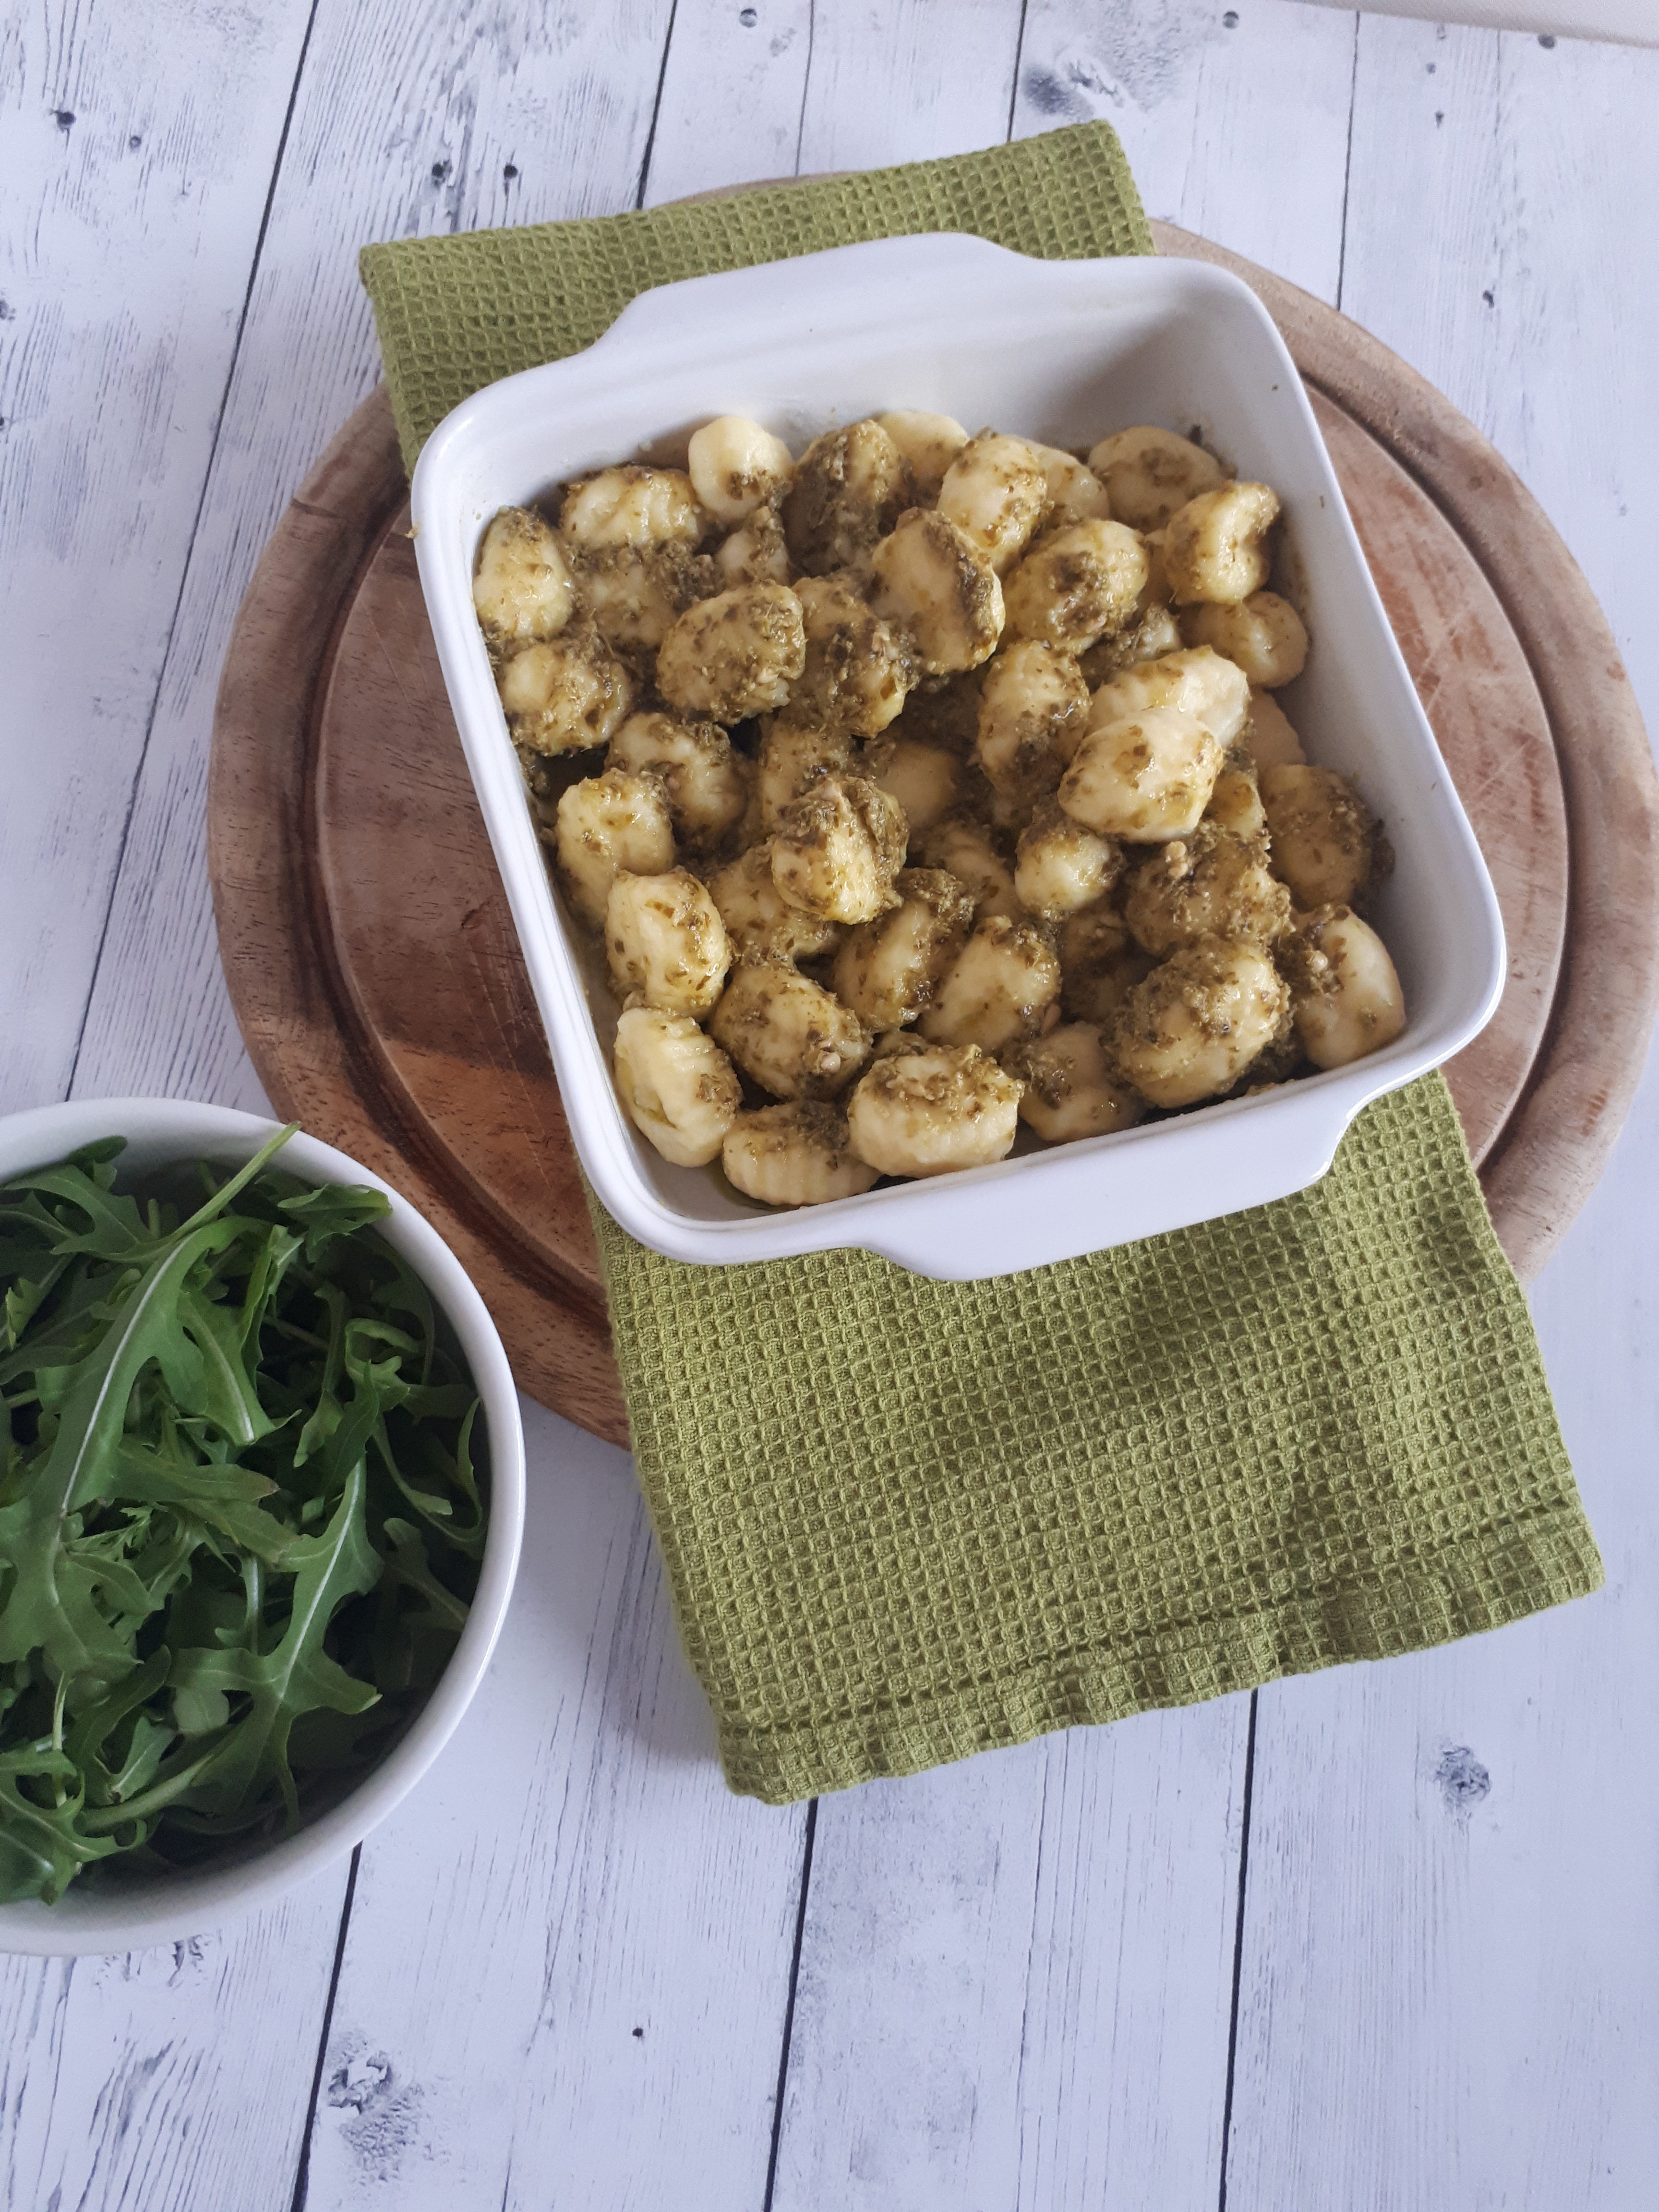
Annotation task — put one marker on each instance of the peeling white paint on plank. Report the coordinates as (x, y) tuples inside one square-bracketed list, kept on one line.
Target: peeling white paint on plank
[(133, 197), (733, 94), (1016, 1977), (1453, 1902), (1502, 238), (567, 1965), (408, 122), (907, 81), (176, 2076), (1235, 120)]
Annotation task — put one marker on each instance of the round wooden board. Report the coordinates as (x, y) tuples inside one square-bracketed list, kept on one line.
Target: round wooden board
[(377, 977)]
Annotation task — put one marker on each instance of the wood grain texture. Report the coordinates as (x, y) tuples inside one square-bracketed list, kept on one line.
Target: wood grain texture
[(932, 76), (109, 395), (408, 120), (125, 2083), (1235, 120), (567, 1967), (733, 97), (273, 918), (1448, 1994), (433, 973), (1015, 1978)]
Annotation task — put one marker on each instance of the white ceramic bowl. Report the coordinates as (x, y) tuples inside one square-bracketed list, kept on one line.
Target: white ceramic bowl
[(160, 1909), (1063, 351)]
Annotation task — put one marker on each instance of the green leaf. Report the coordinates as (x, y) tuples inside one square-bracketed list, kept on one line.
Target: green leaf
[(229, 1395), (297, 1676), (333, 1210), (33, 1278), (409, 1565), (115, 1229), (42, 1846), (94, 1727), (223, 1499), (51, 1604)]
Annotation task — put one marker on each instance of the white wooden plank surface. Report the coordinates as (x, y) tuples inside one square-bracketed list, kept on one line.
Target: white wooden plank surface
[(174, 2077), (1014, 1980), (409, 121), (1235, 120), (1448, 1991), (109, 391), (907, 80), (1014, 1985), (732, 93), (121, 2082), (567, 1965)]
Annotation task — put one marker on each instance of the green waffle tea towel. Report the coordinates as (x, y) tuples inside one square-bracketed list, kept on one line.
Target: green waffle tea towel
[(904, 1521)]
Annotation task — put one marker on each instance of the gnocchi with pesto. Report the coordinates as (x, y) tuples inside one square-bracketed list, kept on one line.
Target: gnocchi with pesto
[(930, 789)]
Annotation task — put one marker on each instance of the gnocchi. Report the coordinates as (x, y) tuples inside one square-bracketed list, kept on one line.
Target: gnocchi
[(1144, 777), (996, 493), (1059, 867), (997, 989), (929, 443), (929, 1113), (837, 849), (1327, 842), (1193, 1026), (1215, 547), (1073, 1086), (680, 1089), (887, 969), (927, 783), (607, 823), (1034, 707), (786, 1032), (1150, 474), (522, 591), (736, 466), (1264, 635), (857, 669), (1076, 584), (706, 782), (665, 943), (850, 487), (1209, 884), (565, 696), (1344, 991), (798, 1154), (734, 655), (931, 579)]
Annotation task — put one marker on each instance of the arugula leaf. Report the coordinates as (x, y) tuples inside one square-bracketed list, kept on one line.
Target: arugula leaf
[(298, 1675), (42, 1846), (239, 1523), (333, 1209), (51, 1604)]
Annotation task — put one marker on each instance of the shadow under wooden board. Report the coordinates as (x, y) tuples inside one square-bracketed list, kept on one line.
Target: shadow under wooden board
[(377, 977)]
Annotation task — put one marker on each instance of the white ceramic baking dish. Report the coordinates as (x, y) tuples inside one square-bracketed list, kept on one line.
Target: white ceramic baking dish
[(1063, 351)]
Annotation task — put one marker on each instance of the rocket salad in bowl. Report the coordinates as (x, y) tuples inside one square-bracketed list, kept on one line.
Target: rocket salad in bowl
[(263, 1475)]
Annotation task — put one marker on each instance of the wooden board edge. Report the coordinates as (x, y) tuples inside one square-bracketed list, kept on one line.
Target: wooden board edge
[(257, 804)]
